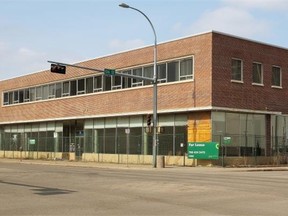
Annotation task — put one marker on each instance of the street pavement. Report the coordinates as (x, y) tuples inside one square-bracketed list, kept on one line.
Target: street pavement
[(38, 187)]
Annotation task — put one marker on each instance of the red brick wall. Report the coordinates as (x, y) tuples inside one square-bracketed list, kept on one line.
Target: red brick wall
[(184, 95), (245, 95)]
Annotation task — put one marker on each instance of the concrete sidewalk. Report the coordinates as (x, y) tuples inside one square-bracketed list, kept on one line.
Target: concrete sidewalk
[(141, 166)]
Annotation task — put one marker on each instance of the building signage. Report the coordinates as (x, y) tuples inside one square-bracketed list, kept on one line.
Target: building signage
[(203, 150), (32, 141), (227, 140)]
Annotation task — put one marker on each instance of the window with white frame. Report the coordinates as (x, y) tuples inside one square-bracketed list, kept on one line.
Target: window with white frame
[(137, 72), (257, 73), (32, 94), (81, 86), (237, 70), (21, 96), (276, 76), (6, 98), (39, 93), (73, 87), (45, 92), (126, 81), (186, 69), (66, 89), (98, 86), (116, 82), (16, 97), (148, 72), (162, 73), (58, 91), (169, 71), (27, 95), (173, 71), (89, 85)]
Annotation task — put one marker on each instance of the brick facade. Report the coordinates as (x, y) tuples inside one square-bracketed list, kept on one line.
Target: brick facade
[(245, 95), (172, 96), (211, 87)]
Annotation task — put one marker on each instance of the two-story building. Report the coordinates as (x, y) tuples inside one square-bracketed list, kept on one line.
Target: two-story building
[(211, 86)]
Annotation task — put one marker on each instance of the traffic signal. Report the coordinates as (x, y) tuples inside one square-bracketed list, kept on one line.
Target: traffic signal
[(149, 120), (55, 68)]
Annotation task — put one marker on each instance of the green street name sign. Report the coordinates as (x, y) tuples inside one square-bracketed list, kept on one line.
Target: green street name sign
[(110, 72), (203, 150)]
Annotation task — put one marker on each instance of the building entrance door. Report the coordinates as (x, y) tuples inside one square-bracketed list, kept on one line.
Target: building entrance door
[(79, 145)]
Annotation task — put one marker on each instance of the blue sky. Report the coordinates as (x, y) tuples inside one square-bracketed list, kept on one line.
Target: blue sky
[(34, 31)]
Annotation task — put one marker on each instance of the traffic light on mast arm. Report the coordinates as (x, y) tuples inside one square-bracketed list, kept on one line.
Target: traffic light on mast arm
[(55, 68), (149, 120)]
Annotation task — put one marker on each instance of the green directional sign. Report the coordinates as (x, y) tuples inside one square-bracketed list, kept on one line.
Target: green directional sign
[(203, 150), (227, 140), (110, 72)]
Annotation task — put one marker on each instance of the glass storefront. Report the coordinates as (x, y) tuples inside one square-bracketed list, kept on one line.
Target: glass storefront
[(115, 135)]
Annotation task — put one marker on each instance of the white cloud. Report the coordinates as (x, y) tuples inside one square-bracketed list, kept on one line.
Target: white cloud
[(15, 58), (230, 20), (259, 4)]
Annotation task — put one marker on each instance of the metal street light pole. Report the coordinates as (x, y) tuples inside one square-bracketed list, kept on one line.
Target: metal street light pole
[(155, 80)]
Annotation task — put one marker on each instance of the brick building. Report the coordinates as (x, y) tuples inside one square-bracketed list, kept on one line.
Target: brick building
[(211, 86)]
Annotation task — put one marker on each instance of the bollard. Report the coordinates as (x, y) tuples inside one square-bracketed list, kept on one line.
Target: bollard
[(160, 161)]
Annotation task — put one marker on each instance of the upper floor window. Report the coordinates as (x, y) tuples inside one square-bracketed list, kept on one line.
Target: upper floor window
[(169, 71), (276, 76), (80, 86), (137, 72), (39, 93), (6, 99), (237, 70), (186, 69), (257, 73), (98, 80), (162, 74)]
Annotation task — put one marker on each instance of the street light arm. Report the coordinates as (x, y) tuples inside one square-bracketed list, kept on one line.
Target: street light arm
[(155, 94), (123, 5), (155, 42)]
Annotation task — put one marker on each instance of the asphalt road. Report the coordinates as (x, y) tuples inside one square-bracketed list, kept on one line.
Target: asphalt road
[(39, 189)]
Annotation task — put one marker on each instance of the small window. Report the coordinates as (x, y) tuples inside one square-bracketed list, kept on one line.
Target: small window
[(116, 82), (107, 83), (6, 99), (52, 90), (137, 72), (45, 92), (15, 97), (276, 76), (39, 93), (98, 83), (26, 95), (126, 81), (21, 96), (81, 86), (148, 72), (237, 71), (162, 75), (10, 97), (58, 90), (73, 90), (257, 73), (32, 94), (186, 69), (173, 71), (89, 85), (66, 89)]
